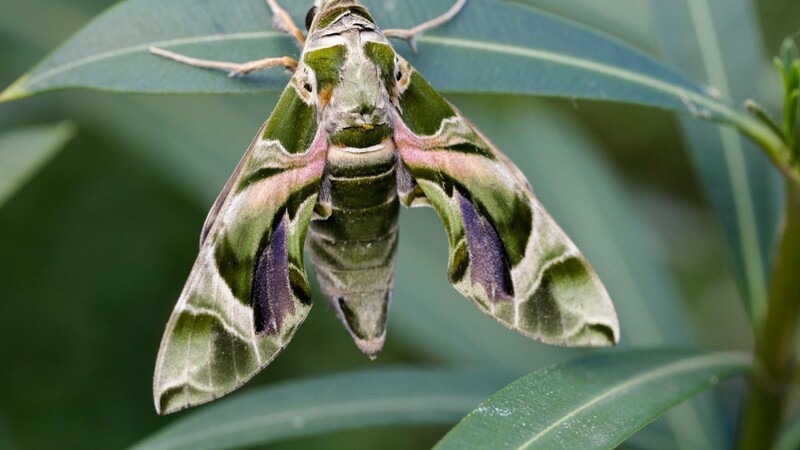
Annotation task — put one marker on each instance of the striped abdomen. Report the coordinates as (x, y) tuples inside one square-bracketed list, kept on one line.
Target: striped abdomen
[(353, 250)]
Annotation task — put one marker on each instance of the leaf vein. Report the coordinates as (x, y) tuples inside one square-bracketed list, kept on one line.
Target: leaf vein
[(143, 47)]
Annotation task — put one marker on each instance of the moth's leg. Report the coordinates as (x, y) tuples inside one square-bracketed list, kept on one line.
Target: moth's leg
[(283, 21), (234, 69), (412, 33)]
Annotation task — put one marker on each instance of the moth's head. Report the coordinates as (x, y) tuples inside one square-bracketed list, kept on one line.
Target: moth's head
[(347, 67), (325, 12)]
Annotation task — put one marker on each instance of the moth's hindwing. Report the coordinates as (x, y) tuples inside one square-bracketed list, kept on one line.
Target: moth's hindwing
[(506, 253), (247, 292)]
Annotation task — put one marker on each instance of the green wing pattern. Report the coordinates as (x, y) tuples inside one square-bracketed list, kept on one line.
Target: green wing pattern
[(506, 253), (247, 292)]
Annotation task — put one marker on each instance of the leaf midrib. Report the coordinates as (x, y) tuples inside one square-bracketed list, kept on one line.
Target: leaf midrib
[(688, 97), (144, 47)]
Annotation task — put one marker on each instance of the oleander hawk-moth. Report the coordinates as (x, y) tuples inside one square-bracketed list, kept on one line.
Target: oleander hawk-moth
[(355, 134)]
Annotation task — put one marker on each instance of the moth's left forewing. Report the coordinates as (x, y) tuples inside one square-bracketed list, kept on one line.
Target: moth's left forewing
[(247, 292), (506, 253)]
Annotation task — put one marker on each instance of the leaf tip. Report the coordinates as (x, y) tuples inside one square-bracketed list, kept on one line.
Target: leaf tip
[(16, 91)]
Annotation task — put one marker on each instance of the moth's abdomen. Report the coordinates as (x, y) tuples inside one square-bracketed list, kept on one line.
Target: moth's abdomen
[(353, 250)]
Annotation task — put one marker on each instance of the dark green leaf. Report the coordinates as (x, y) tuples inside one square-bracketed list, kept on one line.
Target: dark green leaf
[(322, 405), (24, 151), (595, 402)]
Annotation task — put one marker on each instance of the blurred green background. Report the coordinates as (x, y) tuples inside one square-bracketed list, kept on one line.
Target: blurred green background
[(96, 247)]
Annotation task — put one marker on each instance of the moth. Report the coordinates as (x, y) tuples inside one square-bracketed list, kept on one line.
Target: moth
[(356, 133)]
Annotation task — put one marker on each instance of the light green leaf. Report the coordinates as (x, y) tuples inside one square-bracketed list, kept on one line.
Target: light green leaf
[(743, 188), (322, 405), (595, 402), (23, 152)]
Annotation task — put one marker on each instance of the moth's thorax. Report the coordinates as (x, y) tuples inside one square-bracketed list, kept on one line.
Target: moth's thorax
[(350, 96)]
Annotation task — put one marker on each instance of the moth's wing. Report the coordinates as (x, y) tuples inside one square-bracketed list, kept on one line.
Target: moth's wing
[(213, 213), (247, 292), (506, 253)]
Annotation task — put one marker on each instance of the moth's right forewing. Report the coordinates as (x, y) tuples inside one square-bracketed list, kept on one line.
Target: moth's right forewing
[(506, 253), (247, 292)]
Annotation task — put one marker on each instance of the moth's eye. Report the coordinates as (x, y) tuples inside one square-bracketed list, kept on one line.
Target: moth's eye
[(307, 87), (310, 17), (397, 75)]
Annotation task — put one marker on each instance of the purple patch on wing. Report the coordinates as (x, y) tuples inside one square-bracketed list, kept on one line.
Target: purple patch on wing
[(488, 263), (272, 298)]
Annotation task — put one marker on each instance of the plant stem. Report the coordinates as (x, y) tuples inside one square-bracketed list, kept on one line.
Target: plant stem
[(772, 375), (770, 141)]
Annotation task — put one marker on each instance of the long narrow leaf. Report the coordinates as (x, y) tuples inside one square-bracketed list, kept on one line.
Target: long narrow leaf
[(596, 402), (24, 151), (492, 47), (322, 405), (741, 185)]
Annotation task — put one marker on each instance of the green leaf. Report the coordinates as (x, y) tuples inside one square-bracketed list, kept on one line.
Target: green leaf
[(492, 46), (326, 404), (595, 402), (499, 47), (625, 19), (23, 152), (743, 188)]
